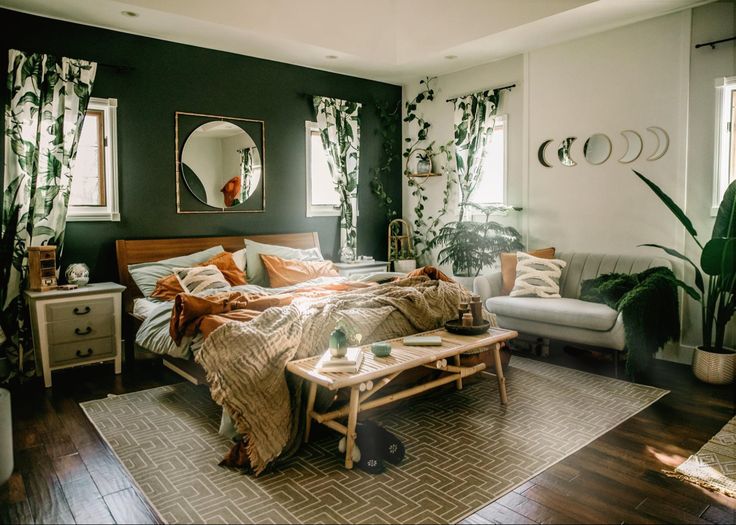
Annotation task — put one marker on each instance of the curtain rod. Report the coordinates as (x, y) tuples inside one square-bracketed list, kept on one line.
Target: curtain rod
[(478, 91), (715, 42)]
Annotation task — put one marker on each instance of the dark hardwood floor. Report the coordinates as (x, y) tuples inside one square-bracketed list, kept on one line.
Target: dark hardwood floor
[(65, 473)]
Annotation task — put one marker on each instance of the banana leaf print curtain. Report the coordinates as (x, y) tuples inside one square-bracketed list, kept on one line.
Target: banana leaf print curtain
[(43, 119), (474, 118), (246, 172), (340, 133)]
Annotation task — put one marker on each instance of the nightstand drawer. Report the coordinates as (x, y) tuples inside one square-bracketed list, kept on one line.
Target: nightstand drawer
[(69, 353), (79, 309), (81, 329)]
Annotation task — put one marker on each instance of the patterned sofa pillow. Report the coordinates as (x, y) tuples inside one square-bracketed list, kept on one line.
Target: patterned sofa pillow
[(201, 278), (538, 277)]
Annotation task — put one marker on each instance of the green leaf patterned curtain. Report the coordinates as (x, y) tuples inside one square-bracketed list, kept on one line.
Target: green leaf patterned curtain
[(246, 172), (47, 100), (474, 118), (340, 133)]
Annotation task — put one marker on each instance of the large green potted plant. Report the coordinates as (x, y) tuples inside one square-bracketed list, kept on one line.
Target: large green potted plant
[(469, 245), (715, 284)]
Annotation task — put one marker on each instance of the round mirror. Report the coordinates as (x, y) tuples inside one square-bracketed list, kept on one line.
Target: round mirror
[(220, 164), (597, 148)]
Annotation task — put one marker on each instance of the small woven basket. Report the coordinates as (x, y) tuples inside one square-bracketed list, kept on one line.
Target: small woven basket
[(714, 368)]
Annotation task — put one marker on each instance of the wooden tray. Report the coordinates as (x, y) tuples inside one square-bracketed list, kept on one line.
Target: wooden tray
[(456, 327)]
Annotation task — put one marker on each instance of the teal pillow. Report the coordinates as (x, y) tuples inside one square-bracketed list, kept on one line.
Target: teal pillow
[(254, 269), (146, 274)]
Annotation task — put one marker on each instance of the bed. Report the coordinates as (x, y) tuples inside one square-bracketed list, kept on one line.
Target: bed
[(149, 250)]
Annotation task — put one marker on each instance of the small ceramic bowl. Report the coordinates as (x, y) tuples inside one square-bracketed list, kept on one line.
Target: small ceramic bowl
[(381, 349)]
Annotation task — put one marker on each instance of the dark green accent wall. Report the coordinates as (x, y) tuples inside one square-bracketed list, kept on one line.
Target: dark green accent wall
[(168, 77)]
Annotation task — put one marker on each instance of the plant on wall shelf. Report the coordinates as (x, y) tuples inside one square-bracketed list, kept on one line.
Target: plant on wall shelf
[(716, 293), (425, 226), (469, 246)]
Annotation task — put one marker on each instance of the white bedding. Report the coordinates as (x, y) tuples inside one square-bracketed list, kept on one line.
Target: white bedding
[(142, 307)]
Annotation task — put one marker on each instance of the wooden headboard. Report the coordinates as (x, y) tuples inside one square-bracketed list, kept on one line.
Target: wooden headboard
[(149, 250)]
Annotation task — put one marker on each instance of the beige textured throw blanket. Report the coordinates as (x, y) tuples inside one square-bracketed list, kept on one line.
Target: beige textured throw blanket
[(246, 361)]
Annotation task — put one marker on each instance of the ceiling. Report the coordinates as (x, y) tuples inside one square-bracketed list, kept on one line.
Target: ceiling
[(387, 40)]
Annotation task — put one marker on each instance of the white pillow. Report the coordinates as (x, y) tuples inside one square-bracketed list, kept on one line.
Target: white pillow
[(537, 277), (255, 271), (239, 258), (201, 278)]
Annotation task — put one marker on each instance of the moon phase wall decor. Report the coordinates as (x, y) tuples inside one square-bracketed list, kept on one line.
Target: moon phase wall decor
[(563, 152), (541, 152), (634, 145), (663, 142), (597, 148)]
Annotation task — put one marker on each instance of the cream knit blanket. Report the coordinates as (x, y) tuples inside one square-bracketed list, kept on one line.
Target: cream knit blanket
[(246, 361)]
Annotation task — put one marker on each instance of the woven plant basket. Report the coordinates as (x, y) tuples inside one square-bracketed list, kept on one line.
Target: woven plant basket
[(714, 368)]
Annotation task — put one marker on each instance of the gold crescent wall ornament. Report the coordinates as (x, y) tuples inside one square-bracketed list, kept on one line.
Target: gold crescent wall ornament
[(634, 145), (541, 154), (663, 142), (563, 152)]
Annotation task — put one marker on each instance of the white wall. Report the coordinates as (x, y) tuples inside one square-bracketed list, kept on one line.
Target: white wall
[(628, 78)]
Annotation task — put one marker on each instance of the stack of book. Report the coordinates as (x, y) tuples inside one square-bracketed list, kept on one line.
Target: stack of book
[(350, 363)]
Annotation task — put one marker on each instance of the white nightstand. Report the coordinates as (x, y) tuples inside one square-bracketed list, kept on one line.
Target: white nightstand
[(348, 269), (76, 327)]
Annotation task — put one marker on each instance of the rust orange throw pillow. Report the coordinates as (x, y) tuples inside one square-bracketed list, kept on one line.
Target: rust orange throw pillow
[(285, 272), (508, 266), (168, 287)]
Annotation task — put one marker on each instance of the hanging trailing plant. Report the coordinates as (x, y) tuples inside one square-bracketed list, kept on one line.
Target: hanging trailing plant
[(426, 226), (387, 129)]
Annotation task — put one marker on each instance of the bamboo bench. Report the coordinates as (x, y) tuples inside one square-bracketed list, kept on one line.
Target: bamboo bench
[(377, 372)]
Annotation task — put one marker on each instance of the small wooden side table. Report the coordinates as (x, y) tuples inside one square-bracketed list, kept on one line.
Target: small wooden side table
[(76, 327)]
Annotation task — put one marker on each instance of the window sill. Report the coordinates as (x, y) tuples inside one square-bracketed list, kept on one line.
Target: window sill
[(323, 212), (100, 216)]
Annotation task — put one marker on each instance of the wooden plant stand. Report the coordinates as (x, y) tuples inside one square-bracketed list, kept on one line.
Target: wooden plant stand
[(377, 372)]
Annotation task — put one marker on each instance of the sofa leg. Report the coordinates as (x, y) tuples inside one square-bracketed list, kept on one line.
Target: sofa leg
[(543, 346)]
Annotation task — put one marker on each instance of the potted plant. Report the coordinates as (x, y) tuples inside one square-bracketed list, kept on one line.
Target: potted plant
[(469, 246), (405, 261), (715, 284)]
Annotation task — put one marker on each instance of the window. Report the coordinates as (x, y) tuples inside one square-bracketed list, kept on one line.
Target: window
[(725, 157), (322, 198), (94, 193), (492, 185)]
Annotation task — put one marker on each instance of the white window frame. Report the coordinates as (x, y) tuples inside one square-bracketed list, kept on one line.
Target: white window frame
[(725, 86), (315, 210), (110, 212), (504, 191)]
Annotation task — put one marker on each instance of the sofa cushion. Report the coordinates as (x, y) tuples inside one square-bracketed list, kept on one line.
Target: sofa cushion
[(563, 311)]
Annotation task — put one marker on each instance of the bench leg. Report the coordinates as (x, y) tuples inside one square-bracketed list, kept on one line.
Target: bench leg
[(499, 374), (459, 382), (352, 423), (310, 408)]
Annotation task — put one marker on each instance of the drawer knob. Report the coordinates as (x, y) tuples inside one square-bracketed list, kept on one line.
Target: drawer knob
[(87, 331), (78, 311), (80, 354)]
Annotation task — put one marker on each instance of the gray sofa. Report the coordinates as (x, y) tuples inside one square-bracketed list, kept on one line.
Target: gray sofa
[(567, 318)]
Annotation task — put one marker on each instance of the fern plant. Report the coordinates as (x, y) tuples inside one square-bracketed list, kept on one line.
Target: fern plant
[(469, 246)]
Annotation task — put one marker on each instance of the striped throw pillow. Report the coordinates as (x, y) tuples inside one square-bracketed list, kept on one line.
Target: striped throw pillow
[(536, 276), (200, 278)]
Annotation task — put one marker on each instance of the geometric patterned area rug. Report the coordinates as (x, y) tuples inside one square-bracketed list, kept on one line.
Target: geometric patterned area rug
[(463, 450), (714, 465)]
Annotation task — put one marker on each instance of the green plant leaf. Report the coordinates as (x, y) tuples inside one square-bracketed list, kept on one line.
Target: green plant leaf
[(724, 225), (719, 257), (674, 208), (674, 253)]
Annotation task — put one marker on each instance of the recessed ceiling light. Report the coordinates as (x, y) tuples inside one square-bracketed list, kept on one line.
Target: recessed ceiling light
[(331, 57), (131, 14), (450, 57)]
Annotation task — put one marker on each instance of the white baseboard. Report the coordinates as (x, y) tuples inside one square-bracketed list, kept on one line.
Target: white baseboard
[(676, 353)]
